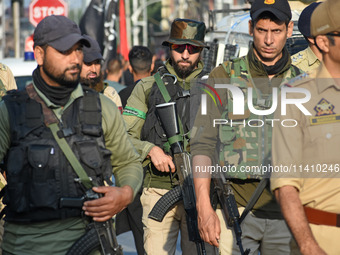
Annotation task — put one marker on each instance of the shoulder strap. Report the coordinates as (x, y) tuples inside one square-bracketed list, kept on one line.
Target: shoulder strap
[(162, 87), (51, 121)]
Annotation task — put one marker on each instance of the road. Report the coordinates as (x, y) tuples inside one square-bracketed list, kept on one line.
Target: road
[(128, 244)]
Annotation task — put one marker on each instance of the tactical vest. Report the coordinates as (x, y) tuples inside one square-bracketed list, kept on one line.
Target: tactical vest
[(38, 173), (246, 139), (152, 130)]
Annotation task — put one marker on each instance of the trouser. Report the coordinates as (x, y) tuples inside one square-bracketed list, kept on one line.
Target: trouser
[(259, 235), (326, 236), (161, 237)]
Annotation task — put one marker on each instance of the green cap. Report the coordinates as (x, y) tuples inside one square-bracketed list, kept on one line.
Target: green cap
[(186, 31)]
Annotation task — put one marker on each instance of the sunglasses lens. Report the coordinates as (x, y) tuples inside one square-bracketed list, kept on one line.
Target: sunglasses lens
[(181, 47)]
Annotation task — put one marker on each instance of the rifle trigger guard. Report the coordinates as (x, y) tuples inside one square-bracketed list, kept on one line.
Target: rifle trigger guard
[(170, 75)]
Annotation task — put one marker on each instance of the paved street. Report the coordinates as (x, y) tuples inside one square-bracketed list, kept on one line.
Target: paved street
[(128, 244)]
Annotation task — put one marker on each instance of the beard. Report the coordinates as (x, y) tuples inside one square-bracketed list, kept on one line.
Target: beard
[(91, 82), (61, 79), (185, 71)]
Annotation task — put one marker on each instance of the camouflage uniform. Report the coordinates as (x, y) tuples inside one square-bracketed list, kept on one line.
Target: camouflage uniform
[(264, 228), (7, 81)]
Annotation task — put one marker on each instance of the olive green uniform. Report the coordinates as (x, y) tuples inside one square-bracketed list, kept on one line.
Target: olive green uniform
[(57, 236), (159, 237), (311, 151)]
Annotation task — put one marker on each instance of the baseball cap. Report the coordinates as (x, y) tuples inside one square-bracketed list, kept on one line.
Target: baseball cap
[(93, 52), (186, 31), (305, 19), (325, 18), (59, 32), (279, 8)]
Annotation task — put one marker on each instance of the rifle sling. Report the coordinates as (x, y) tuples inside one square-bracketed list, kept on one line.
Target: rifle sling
[(52, 121), (256, 195)]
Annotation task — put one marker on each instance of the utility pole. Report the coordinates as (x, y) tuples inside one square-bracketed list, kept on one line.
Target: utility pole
[(2, 29), (16, 27)]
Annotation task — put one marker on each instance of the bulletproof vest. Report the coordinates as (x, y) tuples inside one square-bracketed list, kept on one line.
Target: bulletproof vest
[(246, 140), (152, 130), (38, 173)]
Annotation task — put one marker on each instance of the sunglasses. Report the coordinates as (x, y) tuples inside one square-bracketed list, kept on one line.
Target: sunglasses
[(180, 48)]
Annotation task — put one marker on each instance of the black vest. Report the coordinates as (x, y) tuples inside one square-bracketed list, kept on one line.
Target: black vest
[(186, 104), (38, 173)]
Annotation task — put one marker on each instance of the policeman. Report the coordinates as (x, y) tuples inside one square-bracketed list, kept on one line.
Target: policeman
[(186, 43), (243, 142), (59, 140), (310, 195), (91, 74), (310, 57), (7, 81)]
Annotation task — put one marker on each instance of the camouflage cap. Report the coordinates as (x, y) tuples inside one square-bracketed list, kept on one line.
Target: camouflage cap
[(186, 31)]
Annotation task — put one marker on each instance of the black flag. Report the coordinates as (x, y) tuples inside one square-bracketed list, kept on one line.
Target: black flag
[(99, 22)]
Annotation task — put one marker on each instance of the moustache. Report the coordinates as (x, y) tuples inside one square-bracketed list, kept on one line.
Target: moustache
[(184, 61), (74, 67)]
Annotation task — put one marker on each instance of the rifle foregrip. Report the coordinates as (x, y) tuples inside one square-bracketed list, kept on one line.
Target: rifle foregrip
[(164, 204)]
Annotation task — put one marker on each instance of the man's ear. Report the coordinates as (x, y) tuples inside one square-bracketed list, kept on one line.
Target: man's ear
[(290, 29), (39, 54), (251, 27), (322, 42), (130, 68)]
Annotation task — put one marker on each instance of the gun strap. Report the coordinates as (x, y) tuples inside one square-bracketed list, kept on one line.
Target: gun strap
[(256, 195), (51, 121), (162, 87)]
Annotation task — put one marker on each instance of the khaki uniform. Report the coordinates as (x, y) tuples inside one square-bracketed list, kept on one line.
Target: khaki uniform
[(305, 60), (311, 152), (111, 93), (7, 81)]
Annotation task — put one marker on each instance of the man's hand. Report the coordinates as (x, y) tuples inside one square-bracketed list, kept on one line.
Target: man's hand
[(160, 160), (208, 225), (114, 200), (292, 210)]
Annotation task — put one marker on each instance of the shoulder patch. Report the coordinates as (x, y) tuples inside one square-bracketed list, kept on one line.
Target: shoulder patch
[(3, 67), (300, 79)]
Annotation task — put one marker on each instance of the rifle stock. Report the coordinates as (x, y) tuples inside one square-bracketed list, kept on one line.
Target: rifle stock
[(167, 114)]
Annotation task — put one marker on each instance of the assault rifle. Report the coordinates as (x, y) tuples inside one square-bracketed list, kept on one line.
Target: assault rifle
[(167, 114), (99, 235), (229, 207)]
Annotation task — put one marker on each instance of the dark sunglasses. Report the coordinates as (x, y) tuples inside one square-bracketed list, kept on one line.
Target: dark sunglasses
[(180, 48)]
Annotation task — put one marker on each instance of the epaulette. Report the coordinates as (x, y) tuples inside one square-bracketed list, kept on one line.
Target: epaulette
[(300, 79), (3, 67)]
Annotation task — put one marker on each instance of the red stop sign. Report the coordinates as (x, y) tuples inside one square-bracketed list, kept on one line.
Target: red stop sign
[(39, 9)]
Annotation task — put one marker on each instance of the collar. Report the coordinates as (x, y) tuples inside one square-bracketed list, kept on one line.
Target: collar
[(323, 79), (311, 57), (257, 68), (187, 80), (78, 92)]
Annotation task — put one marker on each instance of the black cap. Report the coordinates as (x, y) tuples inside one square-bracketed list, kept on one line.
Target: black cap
[(58, 32), (93, 52), (279, 8), (304, 19)]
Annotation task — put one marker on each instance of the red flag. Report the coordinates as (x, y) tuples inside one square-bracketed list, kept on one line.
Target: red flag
[(124, 50)]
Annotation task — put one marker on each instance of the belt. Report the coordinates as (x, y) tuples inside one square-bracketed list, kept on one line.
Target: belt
[(320, 217)]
